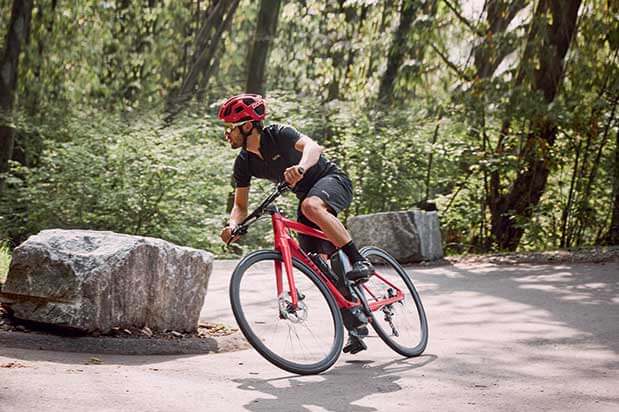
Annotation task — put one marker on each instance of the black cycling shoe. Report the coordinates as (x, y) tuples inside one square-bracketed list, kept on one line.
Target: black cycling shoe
[(361, 332), (354, 345), (355, 342), (361, 271)]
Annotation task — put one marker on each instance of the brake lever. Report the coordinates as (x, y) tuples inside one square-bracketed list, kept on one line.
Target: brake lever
[(282, 187), (242, 229)]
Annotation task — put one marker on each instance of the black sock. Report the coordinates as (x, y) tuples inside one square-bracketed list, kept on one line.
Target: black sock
[(351, 251)]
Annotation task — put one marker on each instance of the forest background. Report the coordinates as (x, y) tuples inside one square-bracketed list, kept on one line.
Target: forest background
[(501, 114)]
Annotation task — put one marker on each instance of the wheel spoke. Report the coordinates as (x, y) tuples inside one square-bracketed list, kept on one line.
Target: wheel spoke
[(401, 325), (308, 339)]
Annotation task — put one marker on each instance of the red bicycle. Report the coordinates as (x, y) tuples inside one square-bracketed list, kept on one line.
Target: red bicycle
[(298, 327)]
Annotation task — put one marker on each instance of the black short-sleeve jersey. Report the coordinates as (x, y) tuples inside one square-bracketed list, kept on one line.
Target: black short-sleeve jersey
[(278, 153)]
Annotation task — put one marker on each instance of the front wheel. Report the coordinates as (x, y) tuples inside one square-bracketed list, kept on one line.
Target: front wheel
[(305, 340), (402, 325)]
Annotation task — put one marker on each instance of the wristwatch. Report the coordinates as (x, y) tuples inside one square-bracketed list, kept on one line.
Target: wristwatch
[(301, 169)]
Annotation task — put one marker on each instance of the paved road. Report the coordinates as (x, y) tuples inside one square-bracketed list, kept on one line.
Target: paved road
[(501, 338)]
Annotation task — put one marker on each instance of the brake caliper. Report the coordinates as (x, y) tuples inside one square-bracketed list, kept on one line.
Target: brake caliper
[(288, 311)]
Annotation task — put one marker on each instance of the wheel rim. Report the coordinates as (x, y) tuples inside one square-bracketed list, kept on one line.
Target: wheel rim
[(302, 337), (401, 322)]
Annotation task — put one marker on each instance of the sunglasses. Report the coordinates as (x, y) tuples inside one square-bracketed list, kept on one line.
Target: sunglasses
[(231, 126)]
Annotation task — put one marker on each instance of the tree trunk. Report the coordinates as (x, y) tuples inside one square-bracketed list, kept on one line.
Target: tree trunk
[(487, 57), (16, 37), (266, 27), (554, 26), (565, 215), (32, 99), (207, 43), (352, 52), (613, 232), (372, 60), (397, 50), (489, 54)]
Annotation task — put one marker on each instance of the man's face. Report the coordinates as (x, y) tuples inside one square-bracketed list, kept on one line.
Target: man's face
[(233, 134), (234, 137)]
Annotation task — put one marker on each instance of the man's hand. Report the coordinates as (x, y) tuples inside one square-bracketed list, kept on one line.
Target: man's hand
[(226, 234), (293, 174)]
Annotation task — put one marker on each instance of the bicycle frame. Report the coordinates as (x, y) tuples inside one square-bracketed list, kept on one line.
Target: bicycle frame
[(289, 249)]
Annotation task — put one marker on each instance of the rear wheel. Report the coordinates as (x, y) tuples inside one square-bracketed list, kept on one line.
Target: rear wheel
[(402, 325), (305, 340)]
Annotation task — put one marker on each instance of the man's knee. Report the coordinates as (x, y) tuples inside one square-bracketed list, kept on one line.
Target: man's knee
[(313, 206)]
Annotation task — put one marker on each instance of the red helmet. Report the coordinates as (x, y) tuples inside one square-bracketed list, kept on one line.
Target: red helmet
[(243, 107)]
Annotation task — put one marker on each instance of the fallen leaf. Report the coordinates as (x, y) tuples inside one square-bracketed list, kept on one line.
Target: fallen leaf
[(13, 365), (94, 361)]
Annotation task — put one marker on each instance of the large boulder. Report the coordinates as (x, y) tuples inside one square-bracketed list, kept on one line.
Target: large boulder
[(94, 281), (409, 236)]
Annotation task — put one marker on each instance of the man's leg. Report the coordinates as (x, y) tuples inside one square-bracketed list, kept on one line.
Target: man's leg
[(317, 210)]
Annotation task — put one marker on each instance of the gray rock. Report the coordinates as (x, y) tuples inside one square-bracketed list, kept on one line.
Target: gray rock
[(409, 236), (94, 281)]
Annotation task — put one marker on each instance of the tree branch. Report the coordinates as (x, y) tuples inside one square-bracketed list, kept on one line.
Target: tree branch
[(453, 66), (464, 20)]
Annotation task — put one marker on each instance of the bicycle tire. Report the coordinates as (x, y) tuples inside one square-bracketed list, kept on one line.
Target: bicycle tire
[(321, 300), (404, 318)]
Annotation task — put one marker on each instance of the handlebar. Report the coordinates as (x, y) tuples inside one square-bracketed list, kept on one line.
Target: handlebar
[(242, 228)]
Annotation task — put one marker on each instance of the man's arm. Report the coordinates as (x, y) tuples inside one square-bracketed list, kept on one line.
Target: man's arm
[(239, 212), (311, 153)]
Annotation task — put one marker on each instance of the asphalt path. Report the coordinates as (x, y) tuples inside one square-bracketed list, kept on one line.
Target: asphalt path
[(509, 338)]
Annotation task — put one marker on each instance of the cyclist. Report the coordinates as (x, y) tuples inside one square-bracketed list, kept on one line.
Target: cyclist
[(279, 152)]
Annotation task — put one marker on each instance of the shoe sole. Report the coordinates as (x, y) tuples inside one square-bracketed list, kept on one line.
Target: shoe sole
[(353, 349), (356, 347)]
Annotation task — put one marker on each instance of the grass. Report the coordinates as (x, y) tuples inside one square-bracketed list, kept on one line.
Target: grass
[(5, 260)]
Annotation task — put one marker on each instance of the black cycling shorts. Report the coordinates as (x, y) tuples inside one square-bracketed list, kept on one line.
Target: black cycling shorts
[(336, 191)]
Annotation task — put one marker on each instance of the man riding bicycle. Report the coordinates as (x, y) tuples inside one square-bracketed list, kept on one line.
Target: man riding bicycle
[(280, 153)]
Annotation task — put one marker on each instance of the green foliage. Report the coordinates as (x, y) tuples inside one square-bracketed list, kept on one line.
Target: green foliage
[(92, 151), (106, 173), (5, 260)]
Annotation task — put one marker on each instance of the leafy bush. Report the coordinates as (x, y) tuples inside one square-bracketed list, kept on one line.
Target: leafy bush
[(5, 260), (106, 173)]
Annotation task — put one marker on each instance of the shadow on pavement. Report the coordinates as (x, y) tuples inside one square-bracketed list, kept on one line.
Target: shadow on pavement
[(584, 297), (337, 389)]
